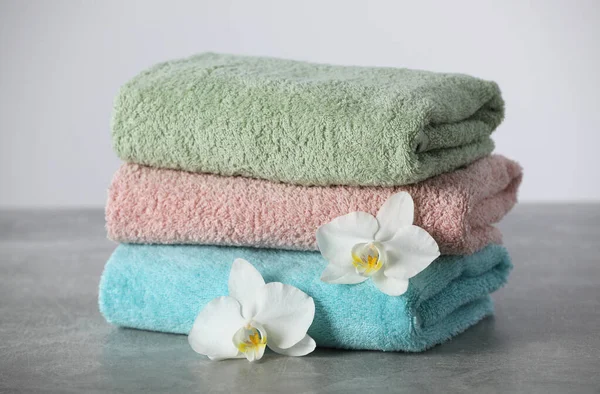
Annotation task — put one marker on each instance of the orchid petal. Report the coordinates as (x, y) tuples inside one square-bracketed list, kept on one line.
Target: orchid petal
[(346, 275), (256, 354), (215, 327), (409, 252), (336, 238), (390, 286), (302, 348), (244, 283), (285, 312), (396, 212)]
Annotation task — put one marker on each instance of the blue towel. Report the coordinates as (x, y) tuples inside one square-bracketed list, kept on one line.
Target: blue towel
[(163, 287)]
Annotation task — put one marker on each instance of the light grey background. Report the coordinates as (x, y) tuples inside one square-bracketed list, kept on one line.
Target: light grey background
[(61, 63)]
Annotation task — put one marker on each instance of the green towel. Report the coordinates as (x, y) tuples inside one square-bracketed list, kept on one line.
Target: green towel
[(304, 123)]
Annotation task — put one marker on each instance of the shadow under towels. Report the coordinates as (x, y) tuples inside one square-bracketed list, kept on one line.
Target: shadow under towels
[(163, 288)]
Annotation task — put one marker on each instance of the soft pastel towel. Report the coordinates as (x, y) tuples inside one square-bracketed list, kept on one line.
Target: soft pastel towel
[(148, 205), (163, 287), (304, 123)]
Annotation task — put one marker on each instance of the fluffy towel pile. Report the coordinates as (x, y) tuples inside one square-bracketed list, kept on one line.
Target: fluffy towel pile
[(151, 205), (246, 157)]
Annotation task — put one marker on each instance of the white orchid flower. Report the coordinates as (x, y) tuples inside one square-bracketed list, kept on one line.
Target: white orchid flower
[(253, 316), (389, 249)]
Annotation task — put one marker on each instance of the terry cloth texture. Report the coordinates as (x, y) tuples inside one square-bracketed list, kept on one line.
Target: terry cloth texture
[(304, 123), (148, 205), (164, 287)]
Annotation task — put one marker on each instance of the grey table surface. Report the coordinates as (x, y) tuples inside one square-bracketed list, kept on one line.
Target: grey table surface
[(545, 336)]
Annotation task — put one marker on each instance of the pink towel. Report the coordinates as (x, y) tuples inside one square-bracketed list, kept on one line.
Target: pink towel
[(150, 205)]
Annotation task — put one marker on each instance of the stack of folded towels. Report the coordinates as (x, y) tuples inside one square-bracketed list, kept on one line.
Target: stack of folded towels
[(244, 157)]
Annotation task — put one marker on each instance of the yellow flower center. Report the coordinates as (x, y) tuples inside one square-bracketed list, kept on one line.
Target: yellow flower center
[(250, 341), (368, 258)]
